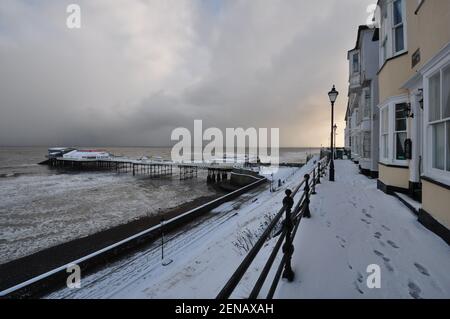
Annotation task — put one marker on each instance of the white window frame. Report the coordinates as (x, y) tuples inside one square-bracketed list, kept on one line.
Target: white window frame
[(442, 176), (387, 32), (383, 134), (390, 106), (353, 64), (395, 26)]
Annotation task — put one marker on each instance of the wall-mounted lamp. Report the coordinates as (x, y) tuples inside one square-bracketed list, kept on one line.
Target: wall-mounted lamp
[(409, 111), (419, 96)]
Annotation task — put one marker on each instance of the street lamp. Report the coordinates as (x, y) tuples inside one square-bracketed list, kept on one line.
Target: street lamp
[(333, 94), (334, 145)]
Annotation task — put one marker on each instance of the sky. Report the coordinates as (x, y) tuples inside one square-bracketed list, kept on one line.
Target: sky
[(138, 69)]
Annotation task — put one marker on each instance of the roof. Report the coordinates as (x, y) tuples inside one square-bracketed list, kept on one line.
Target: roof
[(361, 28)]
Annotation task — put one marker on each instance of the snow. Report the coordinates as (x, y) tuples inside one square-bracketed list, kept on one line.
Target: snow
[(204, 256), (416, 205), (353, 225)]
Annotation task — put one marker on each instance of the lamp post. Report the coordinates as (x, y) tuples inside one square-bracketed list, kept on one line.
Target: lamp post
[(334, 145), (333, 94)]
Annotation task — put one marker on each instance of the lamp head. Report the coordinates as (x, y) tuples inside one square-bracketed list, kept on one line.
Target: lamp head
[(333, 94)]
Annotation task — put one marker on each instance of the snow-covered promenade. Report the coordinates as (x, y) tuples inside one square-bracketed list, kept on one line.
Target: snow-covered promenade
[(354, 225)]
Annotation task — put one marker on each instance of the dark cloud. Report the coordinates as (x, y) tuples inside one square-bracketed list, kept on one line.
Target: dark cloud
[(138, 69)]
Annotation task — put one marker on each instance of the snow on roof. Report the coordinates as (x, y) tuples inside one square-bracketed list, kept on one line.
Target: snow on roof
[(87, 154)]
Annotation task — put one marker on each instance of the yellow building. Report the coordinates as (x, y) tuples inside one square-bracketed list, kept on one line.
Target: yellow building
[(414, 88)]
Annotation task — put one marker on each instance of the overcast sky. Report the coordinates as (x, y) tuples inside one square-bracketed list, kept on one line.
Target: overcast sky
[(137, 69)]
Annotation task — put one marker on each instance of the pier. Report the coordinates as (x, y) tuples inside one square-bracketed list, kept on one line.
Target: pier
[(152, 169)]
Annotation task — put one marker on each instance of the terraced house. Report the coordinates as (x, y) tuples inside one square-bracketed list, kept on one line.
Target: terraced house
[(414, 95), (362, 111)]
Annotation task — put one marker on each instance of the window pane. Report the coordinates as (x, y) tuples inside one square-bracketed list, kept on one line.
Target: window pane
[(399, 39), (355, 63), (398, 12), (401, 113), (400, 125), (435, 97), (384, 120), (438, 145), (446, 93), (385, 146), (400, 146)]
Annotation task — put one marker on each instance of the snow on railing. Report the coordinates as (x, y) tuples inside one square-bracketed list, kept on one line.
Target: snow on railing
[(290, 227)]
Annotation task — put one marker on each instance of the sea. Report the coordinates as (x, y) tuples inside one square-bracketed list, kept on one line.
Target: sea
[(42, 207)]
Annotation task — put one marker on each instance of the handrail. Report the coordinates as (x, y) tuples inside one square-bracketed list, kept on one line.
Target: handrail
[(290, 227)]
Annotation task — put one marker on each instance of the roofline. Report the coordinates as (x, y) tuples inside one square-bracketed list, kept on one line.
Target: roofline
[(361, 28)]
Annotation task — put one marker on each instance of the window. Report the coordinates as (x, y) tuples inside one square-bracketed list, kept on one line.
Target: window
[(435, 97), (384, 132), (355, 63), (439, 118), (393, 130), (400, 135), (392, 30), (366, 145), (398, 28), (367, 104)]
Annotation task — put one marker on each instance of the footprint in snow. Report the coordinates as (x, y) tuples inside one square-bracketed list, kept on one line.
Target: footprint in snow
[(357, 288), (365, 221), (388, 264), (414, 290), (342, 241), (360, 278), (385, 227), (364, 211), (422, 269), (392, 244), (378, 253), (377, 235)]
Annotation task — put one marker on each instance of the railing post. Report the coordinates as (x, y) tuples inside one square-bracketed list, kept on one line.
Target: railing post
[(307, 213), (314, 182), (319, 171), (288, 247)]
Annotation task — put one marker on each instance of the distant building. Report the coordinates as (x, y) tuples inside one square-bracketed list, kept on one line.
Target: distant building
[(361, 133), (414, 88)]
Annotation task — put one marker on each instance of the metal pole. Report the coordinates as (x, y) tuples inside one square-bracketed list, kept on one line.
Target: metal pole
[(162, 239), (288, 247), (307, 212), (331, 146), (314, 183)]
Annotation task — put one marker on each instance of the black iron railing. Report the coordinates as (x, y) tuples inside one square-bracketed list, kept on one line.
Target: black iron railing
[(291, 222)]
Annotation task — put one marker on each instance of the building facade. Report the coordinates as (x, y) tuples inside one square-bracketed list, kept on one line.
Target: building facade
[(414, 95), (361, 134)]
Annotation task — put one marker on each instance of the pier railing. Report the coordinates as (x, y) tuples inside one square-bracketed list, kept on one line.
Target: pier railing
[(293, 216)]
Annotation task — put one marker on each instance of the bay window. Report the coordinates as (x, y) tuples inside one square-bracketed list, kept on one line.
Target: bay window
[(400, 134), (439, 118), (384, 133), (394, 130)]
